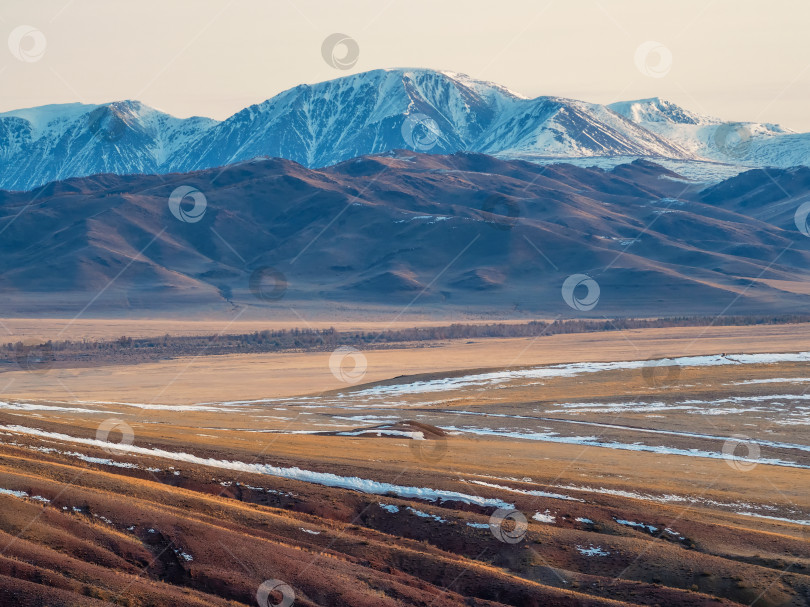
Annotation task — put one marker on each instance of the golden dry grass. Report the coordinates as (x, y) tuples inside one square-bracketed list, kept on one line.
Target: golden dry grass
[(337, 546), (237, 377)]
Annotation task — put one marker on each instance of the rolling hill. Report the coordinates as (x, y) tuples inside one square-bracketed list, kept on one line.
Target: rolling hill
[(463, 232)]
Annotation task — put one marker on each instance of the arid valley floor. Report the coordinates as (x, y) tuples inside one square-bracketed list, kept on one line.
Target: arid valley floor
[(651, 467)]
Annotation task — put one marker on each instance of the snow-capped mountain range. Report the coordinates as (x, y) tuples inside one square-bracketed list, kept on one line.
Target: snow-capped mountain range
[(743, 143), (372, 112)]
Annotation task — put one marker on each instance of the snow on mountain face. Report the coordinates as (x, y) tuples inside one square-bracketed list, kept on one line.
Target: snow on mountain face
[(48, 143), (743, 143), (322, 124), (372, 112), (368, 113), (658, 110), (562, 128)]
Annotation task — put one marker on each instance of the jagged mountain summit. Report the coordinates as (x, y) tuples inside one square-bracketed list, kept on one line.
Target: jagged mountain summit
[(437, 112), (372, 112)]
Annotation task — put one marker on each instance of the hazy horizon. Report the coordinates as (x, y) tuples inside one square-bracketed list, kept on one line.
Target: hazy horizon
[(733, 60)]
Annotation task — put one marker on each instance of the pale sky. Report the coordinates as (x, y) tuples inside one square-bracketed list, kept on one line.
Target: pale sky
[(746, 60)]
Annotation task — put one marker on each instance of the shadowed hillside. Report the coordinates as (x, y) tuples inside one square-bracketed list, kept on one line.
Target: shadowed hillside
[(464, 232)]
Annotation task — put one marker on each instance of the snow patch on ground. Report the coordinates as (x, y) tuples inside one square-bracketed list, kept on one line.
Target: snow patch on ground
[(544, 517), (593, 441), (644, 526), (776, 518), (421, 514), (37, 407), (294, 473), (772, 380), (573, 369), (380, 433), (556, 496), (592, 551)]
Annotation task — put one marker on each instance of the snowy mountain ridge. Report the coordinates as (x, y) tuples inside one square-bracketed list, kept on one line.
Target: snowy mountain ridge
[(374, 112), (745, 143)]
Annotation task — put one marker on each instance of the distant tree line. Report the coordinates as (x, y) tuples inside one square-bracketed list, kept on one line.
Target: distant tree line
[(297, 340)]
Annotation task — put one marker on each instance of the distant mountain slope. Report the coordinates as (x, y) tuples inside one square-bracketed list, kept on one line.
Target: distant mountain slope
[(748, 143), (55, 142), (368, 113), (318, 125), (466, 231)]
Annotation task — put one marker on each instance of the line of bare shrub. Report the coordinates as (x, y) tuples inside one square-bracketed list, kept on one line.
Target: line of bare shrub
[(129, 349)]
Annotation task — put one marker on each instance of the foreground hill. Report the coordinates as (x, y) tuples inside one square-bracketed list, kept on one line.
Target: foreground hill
[(463, 232)]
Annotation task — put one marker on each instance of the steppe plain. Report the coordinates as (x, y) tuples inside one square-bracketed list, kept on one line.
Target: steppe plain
[(645, 467)]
